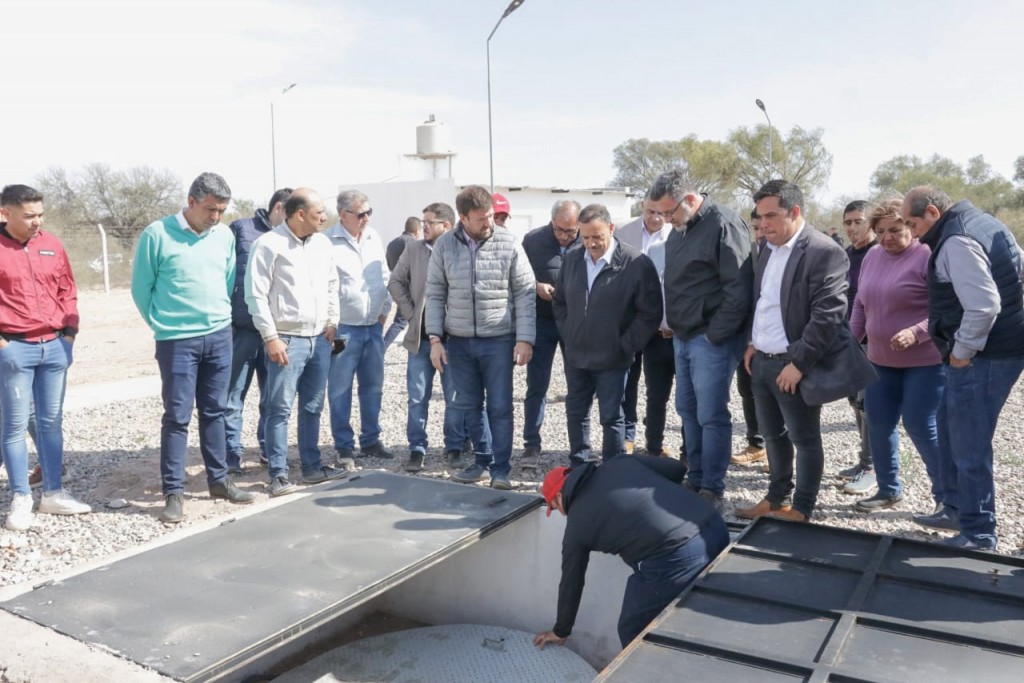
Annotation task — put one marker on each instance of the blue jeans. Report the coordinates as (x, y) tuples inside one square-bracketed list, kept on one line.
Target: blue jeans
[(481, 371), (419, 382), (538, 378), (609, 387), (787, 424), (657, 581), (193, 372), (703, 375), (247, 359), (309, 361), (362, 360), (914, 394), (968, 414), (33, 372), (398, 325)]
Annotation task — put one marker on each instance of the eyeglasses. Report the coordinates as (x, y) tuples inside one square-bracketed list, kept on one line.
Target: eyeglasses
[(361, 215), (651, 213), (568, 232), (436, 222)]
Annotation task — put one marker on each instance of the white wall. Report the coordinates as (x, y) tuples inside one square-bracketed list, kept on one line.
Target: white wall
[(394, 202), (511, 579)]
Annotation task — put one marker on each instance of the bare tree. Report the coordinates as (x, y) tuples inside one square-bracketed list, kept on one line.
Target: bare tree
[(123, 201)]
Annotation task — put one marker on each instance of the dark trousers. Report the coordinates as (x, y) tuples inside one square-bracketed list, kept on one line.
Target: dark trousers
[(792, 431), (657, 363), (632, 396), (608, 386), (746, 393), (657, 581), (538, 378), (194, 372)]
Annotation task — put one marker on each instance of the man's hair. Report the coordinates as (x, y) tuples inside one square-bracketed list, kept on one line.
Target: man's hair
[(920, 198), (281, 195), (473, 198), (857, 205), (753, 214), (788, 193), (595, 212), (16, 195), (443, 211), (412, 225), (295, 202), (209, 185), (673, 183), (887, 208), (561, 206), (350, 198)]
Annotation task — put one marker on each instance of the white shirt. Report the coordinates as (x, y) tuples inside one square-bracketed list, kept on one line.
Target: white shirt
[(291, 285), (594, 269), (649, 240), (769, 333), (362, 275), (657, 256)]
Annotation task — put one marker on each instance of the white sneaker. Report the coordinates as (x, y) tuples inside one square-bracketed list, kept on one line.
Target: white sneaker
[(20, 516), (62, 503)]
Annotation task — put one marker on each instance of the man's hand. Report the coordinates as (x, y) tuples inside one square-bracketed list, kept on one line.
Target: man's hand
[(330, 332), (277, 351), (542, 639), (522, 353), (438, 356), (789, 378), (382, 319), (4, 344), (545, 291), (957, 362), (748, 356), (665, 333), (70, 338)]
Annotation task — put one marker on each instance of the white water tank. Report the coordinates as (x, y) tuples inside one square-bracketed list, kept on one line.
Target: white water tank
[(433, 138)]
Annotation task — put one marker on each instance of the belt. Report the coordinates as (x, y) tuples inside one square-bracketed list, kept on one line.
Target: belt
[(32, 338), (775, 356)]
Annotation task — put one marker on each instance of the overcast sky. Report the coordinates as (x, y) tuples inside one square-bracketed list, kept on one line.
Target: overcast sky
[(187, 84)]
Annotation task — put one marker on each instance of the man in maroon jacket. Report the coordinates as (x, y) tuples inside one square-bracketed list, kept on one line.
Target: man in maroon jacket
[(38, 324)]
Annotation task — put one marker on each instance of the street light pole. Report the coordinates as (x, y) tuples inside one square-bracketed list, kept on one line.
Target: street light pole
[(512, 7), (760, 105), (273, 145)]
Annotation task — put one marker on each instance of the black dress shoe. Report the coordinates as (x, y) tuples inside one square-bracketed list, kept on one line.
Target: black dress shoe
[(226, 489), (173, 508)]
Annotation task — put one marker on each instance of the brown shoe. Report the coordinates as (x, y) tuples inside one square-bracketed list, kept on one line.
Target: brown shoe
[(749, 456), (789, 514), (629, 447), (762, 508)]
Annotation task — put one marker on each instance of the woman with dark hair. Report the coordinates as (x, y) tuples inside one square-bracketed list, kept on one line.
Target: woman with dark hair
[(891, 311)]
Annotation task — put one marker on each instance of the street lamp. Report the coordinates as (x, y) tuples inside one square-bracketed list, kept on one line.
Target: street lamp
[(760, 105), (512, 7), (273, 146)]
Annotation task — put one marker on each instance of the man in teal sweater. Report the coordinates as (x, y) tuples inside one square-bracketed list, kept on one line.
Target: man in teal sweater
[(182, 277)]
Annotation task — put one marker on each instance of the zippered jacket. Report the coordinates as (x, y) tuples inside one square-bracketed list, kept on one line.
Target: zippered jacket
[(37, 289), (486, 292)]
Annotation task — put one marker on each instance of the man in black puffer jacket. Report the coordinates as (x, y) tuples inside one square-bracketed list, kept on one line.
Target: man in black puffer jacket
[(607, 304)]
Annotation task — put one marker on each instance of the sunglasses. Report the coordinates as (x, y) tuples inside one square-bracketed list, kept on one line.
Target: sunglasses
[(362, 214)]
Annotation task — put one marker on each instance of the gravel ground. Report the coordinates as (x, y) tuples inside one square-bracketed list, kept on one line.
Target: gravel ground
[(112, 452)]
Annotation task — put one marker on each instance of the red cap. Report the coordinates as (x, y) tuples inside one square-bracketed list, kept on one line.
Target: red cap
[(501, 204), (553, 482)]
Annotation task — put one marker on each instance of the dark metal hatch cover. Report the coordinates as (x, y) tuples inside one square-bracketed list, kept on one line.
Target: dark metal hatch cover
[(201, 606), (806, 602)]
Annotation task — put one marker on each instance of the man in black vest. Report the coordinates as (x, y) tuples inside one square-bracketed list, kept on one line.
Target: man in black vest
[(976, 319)]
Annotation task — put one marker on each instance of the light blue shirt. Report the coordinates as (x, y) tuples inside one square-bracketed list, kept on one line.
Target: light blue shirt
[(594, 269)]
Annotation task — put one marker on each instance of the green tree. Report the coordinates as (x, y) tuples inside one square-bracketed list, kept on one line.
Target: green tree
[(709, 164), (801, 157), (240, 208), (123, 201), (975, 180)]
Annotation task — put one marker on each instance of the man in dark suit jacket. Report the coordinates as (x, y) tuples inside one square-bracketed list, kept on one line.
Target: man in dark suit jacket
[(799, 319)]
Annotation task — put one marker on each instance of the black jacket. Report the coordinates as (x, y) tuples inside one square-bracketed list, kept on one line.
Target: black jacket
[(395, 248), (709, 275), (633, 507), (545, 254), (247, 231), (604, 329)]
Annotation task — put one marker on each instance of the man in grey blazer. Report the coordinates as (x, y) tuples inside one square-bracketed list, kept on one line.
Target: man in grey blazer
[(408, 286), (799, 322), (657, 359)]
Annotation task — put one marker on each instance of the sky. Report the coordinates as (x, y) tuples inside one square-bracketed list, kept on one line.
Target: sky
[(187, 85)]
